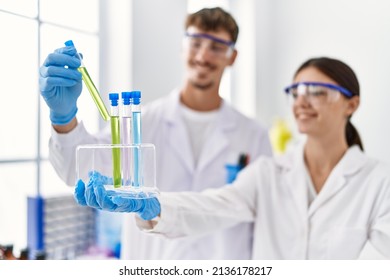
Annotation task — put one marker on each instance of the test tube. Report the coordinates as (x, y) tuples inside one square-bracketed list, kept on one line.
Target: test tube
[(115, 137), (126, 135), (91, 86), (136, 133)]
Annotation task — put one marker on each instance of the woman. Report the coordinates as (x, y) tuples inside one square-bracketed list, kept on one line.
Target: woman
[(324, 200)]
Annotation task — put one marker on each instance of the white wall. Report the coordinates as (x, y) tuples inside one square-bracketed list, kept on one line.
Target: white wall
[(140, 46), (158, 28), (244, 69), (115, 46)]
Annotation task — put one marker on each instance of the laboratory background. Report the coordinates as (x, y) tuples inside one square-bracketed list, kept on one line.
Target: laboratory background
[(136, 44)]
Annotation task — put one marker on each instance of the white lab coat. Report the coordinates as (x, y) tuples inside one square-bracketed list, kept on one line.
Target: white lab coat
[(353, 208), (163, 126)]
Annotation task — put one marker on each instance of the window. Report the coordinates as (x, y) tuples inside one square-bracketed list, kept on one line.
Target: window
[(36, 28)]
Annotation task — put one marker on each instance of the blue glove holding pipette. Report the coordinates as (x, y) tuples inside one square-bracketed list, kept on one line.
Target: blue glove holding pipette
[(60, 84), (96, 196)]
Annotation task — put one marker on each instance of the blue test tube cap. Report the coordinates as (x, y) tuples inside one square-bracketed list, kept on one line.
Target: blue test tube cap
[(136, 97), (114, 97), (69, 43), (127, 96)]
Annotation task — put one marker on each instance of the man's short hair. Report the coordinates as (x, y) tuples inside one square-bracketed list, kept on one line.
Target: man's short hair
[(213, 19)]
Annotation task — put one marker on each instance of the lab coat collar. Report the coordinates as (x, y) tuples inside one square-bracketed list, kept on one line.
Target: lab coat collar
[(352, 161), (218, 141), (172, 106), (294, 164), (177, 132)]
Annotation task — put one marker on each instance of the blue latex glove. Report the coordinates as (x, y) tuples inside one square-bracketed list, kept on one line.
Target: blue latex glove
[(95, 195), (60, 84)]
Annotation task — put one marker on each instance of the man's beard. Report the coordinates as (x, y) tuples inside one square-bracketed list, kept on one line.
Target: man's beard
[(199, 85), (202, 86)]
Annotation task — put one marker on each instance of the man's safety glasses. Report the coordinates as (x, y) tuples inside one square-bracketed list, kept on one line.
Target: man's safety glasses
[(217, 47), (317, 93)]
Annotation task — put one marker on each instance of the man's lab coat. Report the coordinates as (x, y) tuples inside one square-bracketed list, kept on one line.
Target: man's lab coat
[(351, 211), (163, 126)]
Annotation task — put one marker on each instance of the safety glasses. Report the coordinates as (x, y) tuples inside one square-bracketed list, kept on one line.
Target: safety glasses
[(317, 93), (217, 47)]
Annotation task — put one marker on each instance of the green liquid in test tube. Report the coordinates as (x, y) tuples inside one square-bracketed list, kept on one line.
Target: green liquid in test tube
[(91, 87), (115, 137)]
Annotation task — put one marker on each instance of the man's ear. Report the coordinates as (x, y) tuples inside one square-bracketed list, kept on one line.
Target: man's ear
[(233, 57)]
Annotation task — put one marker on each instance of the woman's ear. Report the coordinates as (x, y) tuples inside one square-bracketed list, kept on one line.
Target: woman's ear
[(353, 104)]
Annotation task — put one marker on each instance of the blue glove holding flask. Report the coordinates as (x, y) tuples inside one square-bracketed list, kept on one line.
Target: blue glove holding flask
[(96, 196), (60, 84)]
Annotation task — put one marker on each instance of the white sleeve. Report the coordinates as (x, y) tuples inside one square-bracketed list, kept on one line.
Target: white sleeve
[(193, 213), (62, 150)]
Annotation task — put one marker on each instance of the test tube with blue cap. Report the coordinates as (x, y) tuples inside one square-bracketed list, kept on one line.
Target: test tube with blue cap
[(136, 134), (90, 85), (126, 136), (115, 137)]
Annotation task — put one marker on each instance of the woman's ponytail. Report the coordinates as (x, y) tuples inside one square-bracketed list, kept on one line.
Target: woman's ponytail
[(353, 137)]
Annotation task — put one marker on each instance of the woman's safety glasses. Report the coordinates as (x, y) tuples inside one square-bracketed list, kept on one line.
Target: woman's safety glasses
[(217, 47), (317, 93)]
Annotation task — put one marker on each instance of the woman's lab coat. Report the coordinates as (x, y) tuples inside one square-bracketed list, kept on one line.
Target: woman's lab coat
[(163, 126), (353, 208)]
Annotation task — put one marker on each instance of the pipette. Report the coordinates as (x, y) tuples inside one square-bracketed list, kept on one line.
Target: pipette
[(115, 136), (91, 86)]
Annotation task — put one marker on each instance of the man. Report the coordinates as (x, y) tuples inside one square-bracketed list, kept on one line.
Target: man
[(196, 133)]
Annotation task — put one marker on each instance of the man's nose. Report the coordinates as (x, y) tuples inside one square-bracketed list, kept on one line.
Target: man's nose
[(203, 53)]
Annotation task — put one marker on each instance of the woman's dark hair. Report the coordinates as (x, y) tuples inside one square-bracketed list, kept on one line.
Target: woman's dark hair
[(344, 76)]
